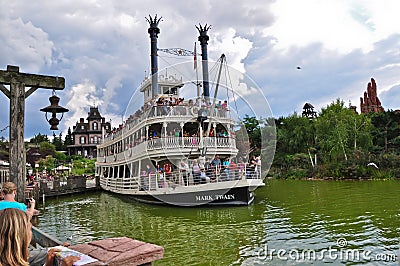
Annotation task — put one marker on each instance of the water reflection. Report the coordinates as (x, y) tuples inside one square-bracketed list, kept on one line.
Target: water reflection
[(286, 215)]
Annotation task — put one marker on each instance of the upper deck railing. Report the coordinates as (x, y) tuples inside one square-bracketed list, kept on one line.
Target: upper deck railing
[(181, 112), (170, 143)]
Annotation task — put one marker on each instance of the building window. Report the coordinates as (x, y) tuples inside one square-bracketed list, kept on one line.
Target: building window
[(94, 126), (82, 127), (82, 140), (91, 140), (95, 139)]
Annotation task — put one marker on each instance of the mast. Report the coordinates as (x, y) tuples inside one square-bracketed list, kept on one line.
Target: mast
[(221, 59), (153, 32), (203, 39)]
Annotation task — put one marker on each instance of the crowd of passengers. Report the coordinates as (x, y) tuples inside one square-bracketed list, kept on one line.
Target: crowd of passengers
[(176, 132), (214, 170), (164, 105)]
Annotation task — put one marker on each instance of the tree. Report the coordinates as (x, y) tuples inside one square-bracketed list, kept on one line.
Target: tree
[(46, 148), (39, 138), (254, 133), (295, 134), (57, 142), (385, 131), (340, 131), (68, 138)]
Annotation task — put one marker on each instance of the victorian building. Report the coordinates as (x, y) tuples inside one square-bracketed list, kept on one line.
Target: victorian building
[(87, 135)]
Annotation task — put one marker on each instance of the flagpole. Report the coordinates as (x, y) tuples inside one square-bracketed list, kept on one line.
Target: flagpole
[(197, 72)]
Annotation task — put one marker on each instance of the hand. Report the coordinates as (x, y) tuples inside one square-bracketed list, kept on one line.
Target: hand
[(66, 244), (51, 254), (69, 261), (32, 201)]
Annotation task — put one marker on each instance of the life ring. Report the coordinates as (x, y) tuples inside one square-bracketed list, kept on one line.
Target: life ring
[(194, 110)]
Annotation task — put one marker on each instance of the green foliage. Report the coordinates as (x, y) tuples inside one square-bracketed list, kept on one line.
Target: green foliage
[(297, 174), (47, 164), (39, 138), (295, 134), (68, 138), (46, 148), (60, 156), (385, 131), (82, 166), (382, 174), (57, 142), (253, 131), (340, 131)]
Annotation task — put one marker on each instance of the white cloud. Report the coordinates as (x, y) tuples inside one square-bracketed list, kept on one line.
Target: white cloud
[(340, 45), (24, 44), (235, 47), (81, 96), (330, 22)]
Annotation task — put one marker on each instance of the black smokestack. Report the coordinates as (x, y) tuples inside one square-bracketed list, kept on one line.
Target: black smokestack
[(153, 32), (203, 39)]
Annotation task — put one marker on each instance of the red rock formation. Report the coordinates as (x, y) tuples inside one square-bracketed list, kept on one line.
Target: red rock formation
[(370, 102)]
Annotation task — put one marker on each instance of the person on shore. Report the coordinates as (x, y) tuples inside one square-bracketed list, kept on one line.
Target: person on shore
[(15, 237), (9, 190)]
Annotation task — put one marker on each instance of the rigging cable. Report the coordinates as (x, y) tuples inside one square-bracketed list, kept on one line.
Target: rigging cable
[(4, 129), (231, 86)]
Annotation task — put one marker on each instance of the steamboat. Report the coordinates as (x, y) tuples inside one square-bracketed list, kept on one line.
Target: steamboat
[(174, 150)]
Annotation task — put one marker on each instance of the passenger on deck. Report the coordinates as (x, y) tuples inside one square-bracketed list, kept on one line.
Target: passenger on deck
[(9, 191), (196, 172), (15, 237)]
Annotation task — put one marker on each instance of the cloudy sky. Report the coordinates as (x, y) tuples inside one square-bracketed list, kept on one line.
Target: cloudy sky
[(101, 47)]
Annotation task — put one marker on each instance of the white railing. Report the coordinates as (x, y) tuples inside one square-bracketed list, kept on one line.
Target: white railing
[(175, 179), (189, 142), (168, 143), (170, 111)]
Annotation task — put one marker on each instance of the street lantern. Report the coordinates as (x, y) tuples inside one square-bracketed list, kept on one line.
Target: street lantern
[(54, 109)]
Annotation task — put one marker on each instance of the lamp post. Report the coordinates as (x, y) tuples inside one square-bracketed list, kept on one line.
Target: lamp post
[(17, 95)]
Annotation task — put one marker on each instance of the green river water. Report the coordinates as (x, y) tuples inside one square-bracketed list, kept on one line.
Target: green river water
[(290, 223)]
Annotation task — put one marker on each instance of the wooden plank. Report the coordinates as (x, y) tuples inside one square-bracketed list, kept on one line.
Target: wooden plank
[(32, 80), (121, 251)]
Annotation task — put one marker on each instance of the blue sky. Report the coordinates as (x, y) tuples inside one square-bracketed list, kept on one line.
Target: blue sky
[(102, 50)]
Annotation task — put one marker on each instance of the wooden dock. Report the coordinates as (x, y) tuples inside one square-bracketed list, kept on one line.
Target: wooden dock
[(110, 251)]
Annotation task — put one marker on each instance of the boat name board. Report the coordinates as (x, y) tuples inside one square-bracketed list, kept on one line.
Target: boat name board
[(215, 197)]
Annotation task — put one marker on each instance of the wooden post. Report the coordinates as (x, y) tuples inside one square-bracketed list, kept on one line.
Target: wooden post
[(17, 95), (17, 148)]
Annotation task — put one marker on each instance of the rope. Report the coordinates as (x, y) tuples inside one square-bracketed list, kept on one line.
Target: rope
[(4, 129)]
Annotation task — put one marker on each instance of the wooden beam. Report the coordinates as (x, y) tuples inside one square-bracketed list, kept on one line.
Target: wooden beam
[(5, 90), (30, 91), (12, 74), (17, 95)]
